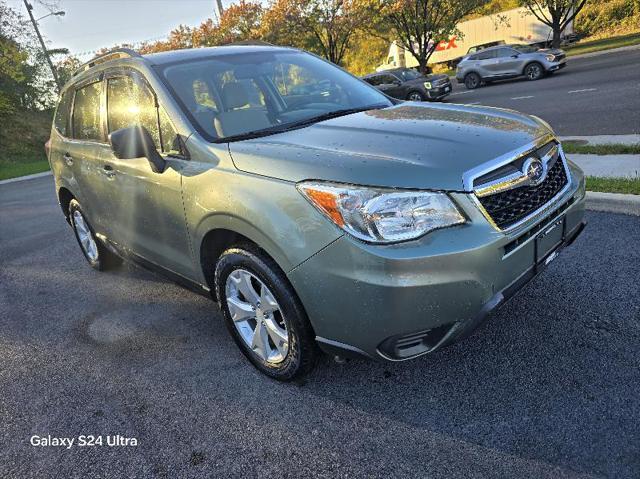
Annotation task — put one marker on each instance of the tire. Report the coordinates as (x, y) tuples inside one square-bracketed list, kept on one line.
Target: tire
[(415, 95), (534, 71), (472, 81), (248, 279), (96, 254)]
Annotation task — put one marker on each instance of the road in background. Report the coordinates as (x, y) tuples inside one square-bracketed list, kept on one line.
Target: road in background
[(597, 95), (548, 387)]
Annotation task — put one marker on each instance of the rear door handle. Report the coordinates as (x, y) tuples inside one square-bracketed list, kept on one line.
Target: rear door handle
[(109, 171), (68, 159)]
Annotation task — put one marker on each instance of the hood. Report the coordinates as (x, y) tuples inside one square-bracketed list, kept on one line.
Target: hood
[(554, 51), (405, 146)]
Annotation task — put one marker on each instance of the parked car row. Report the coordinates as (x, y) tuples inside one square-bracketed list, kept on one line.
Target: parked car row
[(483, 64)]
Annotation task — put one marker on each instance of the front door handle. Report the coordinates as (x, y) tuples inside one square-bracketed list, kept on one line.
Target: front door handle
[(68, 159), (109, 171)]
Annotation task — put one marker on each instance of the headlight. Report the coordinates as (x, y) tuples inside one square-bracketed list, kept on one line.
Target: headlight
[(382, 215), (551, 58), (427, 85)]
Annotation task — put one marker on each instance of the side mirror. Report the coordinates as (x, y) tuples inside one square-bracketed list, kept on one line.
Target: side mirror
[(515, 55), (136, 142), (396, 83)]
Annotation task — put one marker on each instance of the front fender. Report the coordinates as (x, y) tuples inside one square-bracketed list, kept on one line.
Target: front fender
[(269, 212)]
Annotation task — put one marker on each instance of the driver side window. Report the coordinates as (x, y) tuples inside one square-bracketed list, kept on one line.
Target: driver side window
[(130, 102)]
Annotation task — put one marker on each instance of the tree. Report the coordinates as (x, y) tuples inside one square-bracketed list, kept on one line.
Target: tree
[(25, 81), (325, 27), (420, 25), (557, 14)]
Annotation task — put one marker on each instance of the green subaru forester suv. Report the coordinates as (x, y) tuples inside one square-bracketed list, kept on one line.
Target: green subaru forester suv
[(319, 213)]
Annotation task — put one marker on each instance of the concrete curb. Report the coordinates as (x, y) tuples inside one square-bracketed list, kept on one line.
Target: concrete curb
[(613, 203), (25, 178)]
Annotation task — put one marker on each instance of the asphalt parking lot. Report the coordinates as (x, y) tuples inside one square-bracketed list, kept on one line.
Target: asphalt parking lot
[(548, 388), (597, 95)]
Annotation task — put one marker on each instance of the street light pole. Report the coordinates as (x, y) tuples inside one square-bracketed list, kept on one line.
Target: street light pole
[(44, 47)]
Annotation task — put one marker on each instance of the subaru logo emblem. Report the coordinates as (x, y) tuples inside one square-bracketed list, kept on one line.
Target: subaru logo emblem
[(534, 170)]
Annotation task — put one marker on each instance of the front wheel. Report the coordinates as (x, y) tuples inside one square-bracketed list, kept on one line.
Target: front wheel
[(534, 71), (415, 96), (472, 81), (264, 315)]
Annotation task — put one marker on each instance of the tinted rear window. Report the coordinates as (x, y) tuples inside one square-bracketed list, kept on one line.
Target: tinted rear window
[(86, 113)]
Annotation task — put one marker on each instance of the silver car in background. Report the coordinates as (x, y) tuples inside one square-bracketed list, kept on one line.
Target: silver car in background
[(508, 61)]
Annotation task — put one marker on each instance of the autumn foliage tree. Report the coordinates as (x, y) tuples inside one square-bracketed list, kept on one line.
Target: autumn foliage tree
[(325, 27)]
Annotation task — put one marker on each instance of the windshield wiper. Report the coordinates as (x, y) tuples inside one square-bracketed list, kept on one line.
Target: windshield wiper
[(298, 124)]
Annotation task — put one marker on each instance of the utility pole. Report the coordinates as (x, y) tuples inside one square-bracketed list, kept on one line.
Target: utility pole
[(44, 47), (220, 9)]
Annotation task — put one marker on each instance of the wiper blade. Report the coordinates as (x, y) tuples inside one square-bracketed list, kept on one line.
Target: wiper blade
[(298, 124)]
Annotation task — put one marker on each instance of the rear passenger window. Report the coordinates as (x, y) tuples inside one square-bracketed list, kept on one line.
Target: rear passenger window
[(129, 103), (86, 113), (487, 55), (61, 119)]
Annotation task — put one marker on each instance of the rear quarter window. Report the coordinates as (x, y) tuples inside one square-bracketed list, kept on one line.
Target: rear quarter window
[(61, 118)]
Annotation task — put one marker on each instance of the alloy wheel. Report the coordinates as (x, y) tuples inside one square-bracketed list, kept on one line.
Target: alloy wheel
[(534, 71), (87, 243), (257, 316), (415, 96)]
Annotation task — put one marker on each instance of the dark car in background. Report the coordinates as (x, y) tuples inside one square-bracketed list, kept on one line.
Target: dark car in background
[(408, 84)]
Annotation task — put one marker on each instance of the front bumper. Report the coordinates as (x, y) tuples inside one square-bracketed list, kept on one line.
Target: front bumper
[(439, 92), (399, 301), (555, 66)]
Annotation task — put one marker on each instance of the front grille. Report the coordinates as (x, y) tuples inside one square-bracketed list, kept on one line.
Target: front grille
[(560, 57), (441, 82), (509, 207)]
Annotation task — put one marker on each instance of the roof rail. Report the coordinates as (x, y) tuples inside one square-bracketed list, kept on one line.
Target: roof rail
[(105, 57), (249, 42)]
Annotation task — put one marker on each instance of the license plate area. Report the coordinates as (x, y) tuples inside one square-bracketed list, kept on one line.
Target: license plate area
[(548, 240)]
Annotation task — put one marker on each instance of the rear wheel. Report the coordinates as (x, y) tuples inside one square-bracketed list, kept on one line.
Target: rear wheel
[(472, 81), (263, 314), (98, 257), (534, 71), (415, 96)]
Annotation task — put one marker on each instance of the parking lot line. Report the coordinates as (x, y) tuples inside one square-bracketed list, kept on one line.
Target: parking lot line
[(582, 91), (461, 92), (522, 97)]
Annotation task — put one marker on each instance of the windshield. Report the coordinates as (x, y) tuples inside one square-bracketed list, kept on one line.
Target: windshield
[(408, 75), (231, 97), (525, 48)]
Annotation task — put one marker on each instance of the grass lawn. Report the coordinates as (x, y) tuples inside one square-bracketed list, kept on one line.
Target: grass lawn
[(614, 185), (603, 44), (22, 136), (573, 147), (15, 169)]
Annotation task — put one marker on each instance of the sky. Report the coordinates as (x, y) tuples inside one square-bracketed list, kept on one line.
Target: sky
[(92, 24)]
